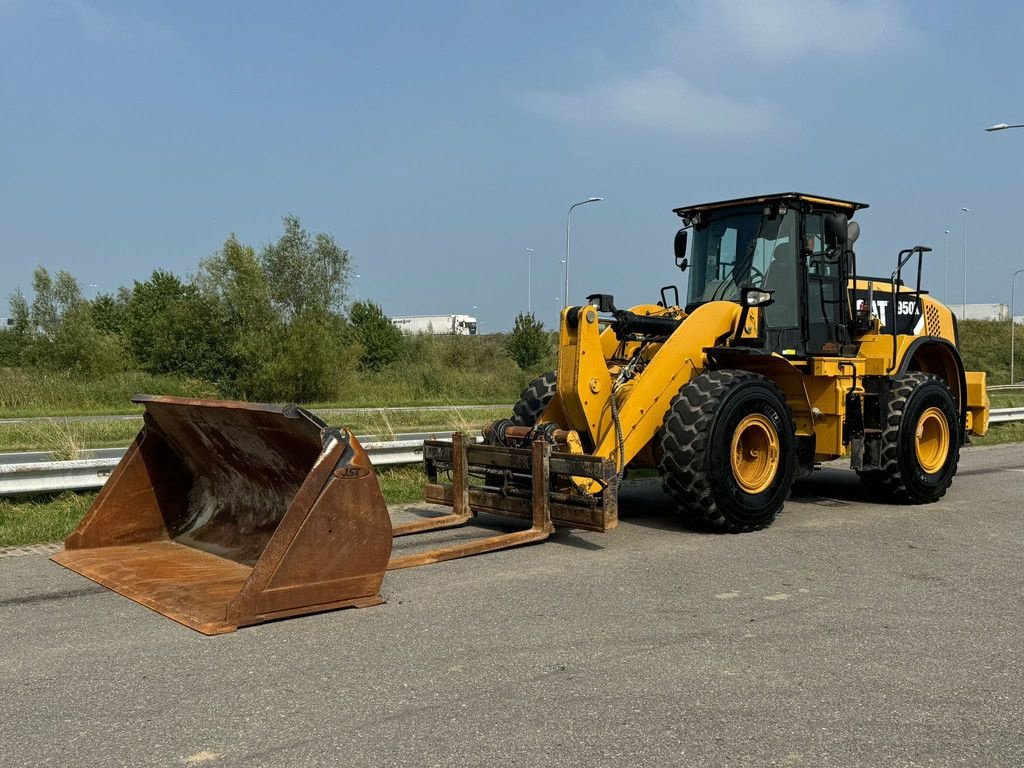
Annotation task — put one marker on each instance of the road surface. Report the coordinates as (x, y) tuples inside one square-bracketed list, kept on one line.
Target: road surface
[(848, 634)]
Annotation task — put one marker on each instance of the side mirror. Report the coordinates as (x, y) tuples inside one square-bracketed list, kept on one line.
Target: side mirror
[(602, 302), (679, 246), (836, 230)]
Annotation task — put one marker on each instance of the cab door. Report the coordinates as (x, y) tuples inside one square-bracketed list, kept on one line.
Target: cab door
[(825, 308)]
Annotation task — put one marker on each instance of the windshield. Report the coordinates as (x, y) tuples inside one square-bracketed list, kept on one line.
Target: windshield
[(745, 247)]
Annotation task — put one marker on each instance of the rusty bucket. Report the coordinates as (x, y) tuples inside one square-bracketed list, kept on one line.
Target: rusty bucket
[(224, 514)]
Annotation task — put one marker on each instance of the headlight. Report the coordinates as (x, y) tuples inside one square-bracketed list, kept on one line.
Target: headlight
[(755, 297)]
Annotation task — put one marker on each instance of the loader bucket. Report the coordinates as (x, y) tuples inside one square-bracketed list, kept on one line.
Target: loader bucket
[(224, 514)]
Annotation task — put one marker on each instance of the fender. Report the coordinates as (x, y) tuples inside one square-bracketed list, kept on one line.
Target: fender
[(939, 357)]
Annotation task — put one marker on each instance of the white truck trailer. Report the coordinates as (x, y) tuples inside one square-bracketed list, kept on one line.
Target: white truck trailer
[(441, 325)]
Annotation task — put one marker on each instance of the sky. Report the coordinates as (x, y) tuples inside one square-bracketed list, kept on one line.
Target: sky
[(439, 141)]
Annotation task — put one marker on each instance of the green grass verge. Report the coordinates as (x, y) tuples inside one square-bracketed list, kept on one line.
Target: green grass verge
[(1006, 399), (40, 519), (1002, 433), (67, 438)]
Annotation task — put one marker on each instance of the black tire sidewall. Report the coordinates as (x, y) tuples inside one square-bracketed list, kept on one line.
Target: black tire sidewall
[(534, 400), (735, 504), (919, 483)]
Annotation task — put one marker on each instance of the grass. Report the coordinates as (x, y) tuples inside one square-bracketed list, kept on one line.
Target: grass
[(39, 519), (463, 370), (25, 392), (67, 438), (46, 518), (1007, 399), (1002, 433), (435, 371), (985, 346)]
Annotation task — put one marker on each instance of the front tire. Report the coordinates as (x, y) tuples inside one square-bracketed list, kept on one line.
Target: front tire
[(534, 400), (728, 451), (920, 442)]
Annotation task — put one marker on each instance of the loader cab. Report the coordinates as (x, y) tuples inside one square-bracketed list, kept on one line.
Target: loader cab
[(792, 245)]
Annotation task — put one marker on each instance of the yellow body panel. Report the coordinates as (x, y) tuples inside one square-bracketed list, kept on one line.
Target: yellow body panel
[(816, 389), (977, 403)]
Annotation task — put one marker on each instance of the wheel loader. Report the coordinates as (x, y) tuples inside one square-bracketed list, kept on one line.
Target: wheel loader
[(782, 356)]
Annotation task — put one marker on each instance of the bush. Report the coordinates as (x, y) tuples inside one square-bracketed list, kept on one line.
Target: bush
[(528, 343), (170, 327), (78, 346), (313, 358), (382, 343)]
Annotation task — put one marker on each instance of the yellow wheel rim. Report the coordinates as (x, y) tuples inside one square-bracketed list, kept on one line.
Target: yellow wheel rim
[(755, 453), (931, 441)]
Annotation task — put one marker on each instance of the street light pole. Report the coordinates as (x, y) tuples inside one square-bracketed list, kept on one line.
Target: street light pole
[(1013, 325), (1003, 127), (945, 271), (966, 211), (564, 278), (568, 226), (529, 281)]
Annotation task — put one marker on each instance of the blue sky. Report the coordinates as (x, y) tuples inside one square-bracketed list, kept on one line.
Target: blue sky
[(438, 141)]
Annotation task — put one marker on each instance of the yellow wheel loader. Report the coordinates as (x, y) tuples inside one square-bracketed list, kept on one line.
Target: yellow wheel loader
[(225, 514), (782, 356)]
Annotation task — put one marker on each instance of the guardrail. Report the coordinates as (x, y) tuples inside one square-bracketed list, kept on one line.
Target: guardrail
[(91, 473), (88, 474), (1004, 415)]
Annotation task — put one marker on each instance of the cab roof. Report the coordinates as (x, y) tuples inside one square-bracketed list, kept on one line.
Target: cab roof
[(845, 206)]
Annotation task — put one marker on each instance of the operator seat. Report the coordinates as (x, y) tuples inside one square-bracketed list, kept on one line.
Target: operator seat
[(781, 275)]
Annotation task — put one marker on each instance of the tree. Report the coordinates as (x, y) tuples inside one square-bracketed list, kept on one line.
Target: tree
[(17, 337), (305, 272), (381, 341), (528, 343), (79, 347), (170, 327), (61, 332), (108, 312), (313, 359), (286, 339)]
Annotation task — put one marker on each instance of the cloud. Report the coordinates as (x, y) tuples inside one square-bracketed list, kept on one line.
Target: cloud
[(104, 26), (724, 39), (657, 100), (786, 30)]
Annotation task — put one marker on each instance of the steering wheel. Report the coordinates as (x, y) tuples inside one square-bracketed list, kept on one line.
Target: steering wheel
[(754, 271)]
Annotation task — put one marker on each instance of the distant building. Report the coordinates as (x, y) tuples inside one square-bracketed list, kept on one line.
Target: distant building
[(982, 311), (6, 323)]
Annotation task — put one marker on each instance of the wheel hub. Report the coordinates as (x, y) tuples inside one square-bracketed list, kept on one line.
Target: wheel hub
[(755, 453), (931, 440)]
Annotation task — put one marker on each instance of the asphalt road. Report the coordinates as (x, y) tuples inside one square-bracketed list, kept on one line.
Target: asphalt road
[(848, 634)]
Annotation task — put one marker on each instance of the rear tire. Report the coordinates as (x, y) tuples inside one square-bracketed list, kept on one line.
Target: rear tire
[(920, 446), (534, 400), (728, 451)]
